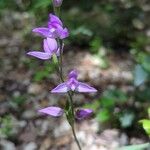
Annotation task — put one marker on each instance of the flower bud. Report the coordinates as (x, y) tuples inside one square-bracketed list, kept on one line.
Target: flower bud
[(57, 3), (83, 113)]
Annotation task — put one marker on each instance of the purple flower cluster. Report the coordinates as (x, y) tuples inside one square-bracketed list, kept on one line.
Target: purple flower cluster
[(72, 84), (55, 31)]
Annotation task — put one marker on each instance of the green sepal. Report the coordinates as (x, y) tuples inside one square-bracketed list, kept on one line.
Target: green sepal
[(68, 112), (55, 59)]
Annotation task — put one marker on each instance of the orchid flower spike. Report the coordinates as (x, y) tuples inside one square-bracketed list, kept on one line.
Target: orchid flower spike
[(83, 113), (52, 111), (54, 30), (50, 48), (74, 85), (57, 3)]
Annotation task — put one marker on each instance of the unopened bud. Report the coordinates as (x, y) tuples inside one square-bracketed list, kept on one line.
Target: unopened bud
[(57, 3)]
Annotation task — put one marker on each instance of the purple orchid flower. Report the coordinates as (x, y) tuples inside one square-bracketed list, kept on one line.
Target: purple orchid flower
[(83, 113), (52, 111), (54, 30), (74, 85), (50, 48), (57, 112), (57, 3)]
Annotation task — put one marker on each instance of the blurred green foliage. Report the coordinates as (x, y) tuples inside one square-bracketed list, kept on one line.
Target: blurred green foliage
[(146, 126), (146, 123), (144, 146), (5, 126), (105, 108), (18, 101), (42, 72)]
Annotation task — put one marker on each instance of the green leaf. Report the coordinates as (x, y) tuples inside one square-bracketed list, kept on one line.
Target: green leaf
[(135, 147), (146, 125), (140, 75)]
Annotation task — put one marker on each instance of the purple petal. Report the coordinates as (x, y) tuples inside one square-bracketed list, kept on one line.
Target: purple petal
[(82, 87), (54, 19), (54, 25), (50, 45), (42, 31), (73, 74), (83, 113), (63, 33), (58, 50), (61, 88), (40, 55), (52, 111)]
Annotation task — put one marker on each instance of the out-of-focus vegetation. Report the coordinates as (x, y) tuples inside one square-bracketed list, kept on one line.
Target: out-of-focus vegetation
[(146, 126), (135, 147), (6, 126), (119, 26), (146, 123)]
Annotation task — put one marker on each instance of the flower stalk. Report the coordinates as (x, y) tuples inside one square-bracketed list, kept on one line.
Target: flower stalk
[(70, 117)]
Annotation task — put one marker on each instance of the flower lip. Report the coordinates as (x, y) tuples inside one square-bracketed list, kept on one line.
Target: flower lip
[(72, 84)]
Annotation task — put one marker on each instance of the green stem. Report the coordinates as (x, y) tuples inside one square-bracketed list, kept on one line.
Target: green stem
[(74, 134), (70, 97), (70, 94)]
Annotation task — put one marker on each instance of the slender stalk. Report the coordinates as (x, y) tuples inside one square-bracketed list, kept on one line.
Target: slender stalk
[(61, 51), (74, 134), (70, 95)]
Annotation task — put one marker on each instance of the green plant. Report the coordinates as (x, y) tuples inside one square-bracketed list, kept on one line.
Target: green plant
[(5, 126), (136, 147), (105, 106), (146, 126), (44, 72)]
